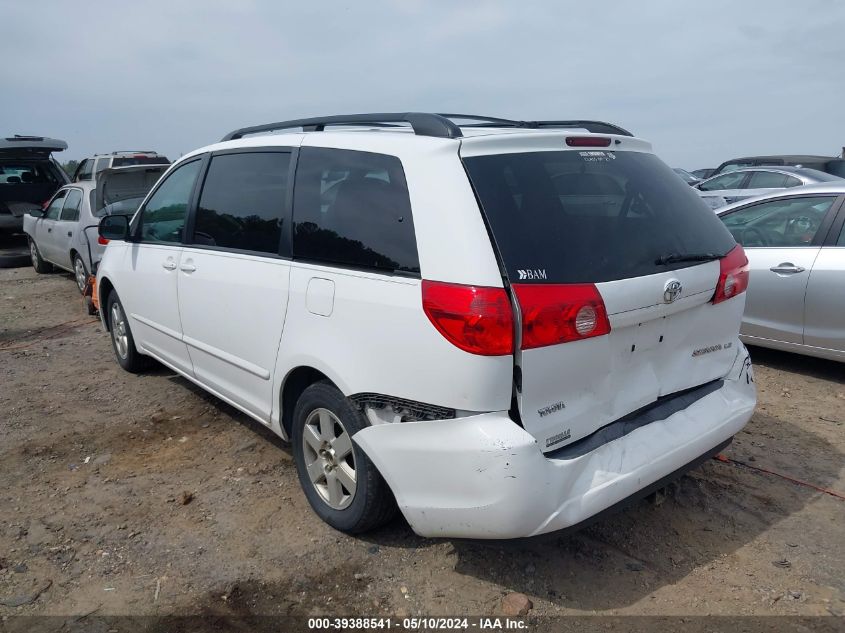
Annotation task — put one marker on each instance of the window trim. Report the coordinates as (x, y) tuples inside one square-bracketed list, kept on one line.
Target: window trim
[(135, 231), (837, 225), (821, 236), (285, 240)]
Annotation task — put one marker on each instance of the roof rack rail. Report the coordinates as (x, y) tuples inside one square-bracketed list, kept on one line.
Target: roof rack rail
[(599, 127), (423, 124)]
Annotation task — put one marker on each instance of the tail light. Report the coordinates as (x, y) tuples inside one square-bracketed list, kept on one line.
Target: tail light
[(44, 204), (733, 275), (101, 240), (560, 313), (476, 319)]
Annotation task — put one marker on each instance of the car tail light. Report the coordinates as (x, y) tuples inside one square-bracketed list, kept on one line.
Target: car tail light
[(733, 275), (476, 319), (101, 240), (559, 313), (587, 141)]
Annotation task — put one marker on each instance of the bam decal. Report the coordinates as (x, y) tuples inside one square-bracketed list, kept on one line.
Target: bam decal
[(529, 273)]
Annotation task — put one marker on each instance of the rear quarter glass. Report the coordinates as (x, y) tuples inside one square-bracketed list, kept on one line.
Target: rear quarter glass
[(590, 216)]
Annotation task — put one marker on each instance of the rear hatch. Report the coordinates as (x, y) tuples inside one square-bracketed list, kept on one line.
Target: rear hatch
[(28, 177), (120, 190), (613, 263)]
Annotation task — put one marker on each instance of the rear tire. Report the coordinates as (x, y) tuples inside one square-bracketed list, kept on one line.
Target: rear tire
[(80, 273), (122, 340), (340, 482), (38, 264)]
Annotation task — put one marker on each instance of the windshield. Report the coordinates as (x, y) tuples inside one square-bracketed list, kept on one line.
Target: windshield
[(591, 216)]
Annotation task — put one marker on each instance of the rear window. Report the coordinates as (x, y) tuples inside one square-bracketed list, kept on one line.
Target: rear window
[(139, 160), (591, 216), (27, 174)]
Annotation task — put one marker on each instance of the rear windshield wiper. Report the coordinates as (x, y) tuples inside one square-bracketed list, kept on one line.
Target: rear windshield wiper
[(673, 258)]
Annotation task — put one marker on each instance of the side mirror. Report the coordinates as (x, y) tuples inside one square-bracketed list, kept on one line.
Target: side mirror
[(114, 227), (36, 213)]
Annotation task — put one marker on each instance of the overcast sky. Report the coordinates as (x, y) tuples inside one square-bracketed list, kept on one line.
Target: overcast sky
[(704, 81)]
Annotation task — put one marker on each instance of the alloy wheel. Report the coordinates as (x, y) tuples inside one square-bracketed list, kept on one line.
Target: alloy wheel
[(118, 331), (329, 458)]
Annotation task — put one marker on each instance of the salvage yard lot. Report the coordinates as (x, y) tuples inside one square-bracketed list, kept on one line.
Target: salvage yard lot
[(144, 495)]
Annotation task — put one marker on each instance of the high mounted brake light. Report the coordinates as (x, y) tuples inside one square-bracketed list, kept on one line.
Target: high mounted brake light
[(733, 275), (560, 313), (587, 141), (476, 319)]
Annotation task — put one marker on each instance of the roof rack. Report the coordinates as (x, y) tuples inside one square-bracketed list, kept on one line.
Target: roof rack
[(423, 124), (598, 127)]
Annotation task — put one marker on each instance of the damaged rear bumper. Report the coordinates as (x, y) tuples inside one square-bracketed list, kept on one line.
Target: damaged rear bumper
[(483, 476)]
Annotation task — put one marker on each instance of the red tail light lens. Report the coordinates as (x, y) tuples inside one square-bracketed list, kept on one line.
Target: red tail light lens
[(553, 314), (101, 240), (476, 319), (733, 275), (587, 141)]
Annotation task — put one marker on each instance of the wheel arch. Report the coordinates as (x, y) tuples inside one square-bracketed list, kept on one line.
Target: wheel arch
[(104, 289), (296, 381)]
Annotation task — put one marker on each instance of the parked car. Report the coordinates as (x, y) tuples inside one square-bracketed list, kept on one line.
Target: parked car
[(90, 167), (57, 235), (686, 176), (744, 183), (29, 176), (795, 243), (703, 174), (828, 164), (504, 328)]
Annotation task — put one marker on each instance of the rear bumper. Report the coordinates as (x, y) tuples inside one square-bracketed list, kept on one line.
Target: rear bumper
[(484, 476)]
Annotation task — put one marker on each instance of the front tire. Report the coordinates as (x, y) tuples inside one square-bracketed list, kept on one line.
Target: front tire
[(340, 482), (122, 340), (38, 264)]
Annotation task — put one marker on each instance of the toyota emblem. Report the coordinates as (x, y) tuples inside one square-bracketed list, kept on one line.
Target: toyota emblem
[(672, 290)]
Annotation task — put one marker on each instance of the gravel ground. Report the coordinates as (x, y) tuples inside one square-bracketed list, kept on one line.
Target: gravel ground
[(123, 494)]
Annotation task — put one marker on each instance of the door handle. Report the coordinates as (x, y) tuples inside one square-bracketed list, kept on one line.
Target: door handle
[(70, 233), (786, 268), (169, 264), (50, 230), (187, 268)]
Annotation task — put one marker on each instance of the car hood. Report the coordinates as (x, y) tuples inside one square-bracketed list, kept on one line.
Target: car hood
[(122, 183)]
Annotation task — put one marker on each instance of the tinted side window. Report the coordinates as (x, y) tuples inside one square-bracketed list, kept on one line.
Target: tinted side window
[(791, 181), (102, 163), (841, 240), (163, 217), (242, 202), (70, 211), (56, 206), (728, 181), (352, 208), (766, 179), (784, 222)]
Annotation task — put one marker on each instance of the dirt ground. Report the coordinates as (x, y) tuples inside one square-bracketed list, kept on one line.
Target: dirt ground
[(123, 494)]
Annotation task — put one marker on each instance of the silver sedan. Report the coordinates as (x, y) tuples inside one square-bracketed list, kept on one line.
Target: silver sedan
[(739, 184), (795, 242)]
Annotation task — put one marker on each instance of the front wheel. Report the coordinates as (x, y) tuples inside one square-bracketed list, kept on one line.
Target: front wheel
[(122, 340), (340, 482)]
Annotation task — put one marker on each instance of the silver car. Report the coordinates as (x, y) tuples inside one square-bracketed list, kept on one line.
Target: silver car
[(64, 234), (795, 242), (727, 188)]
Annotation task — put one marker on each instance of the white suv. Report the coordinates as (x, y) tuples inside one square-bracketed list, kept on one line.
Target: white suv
[(502, 328)]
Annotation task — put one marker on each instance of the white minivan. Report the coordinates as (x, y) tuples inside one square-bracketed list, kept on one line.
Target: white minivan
[(501, 328)]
